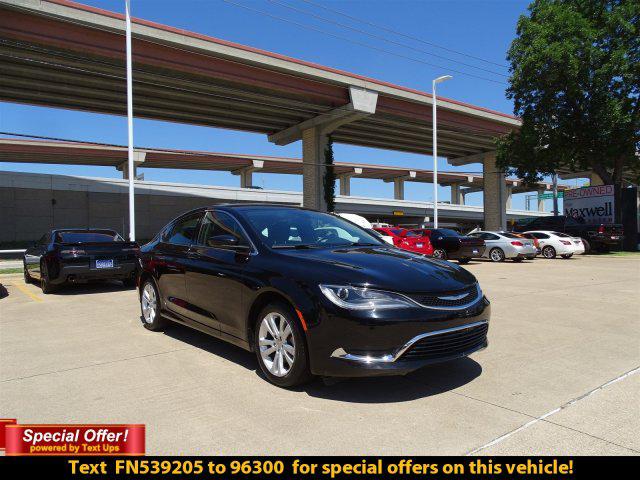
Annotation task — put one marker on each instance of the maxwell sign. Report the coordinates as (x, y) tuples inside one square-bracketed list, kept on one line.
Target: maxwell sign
[(594, 204)]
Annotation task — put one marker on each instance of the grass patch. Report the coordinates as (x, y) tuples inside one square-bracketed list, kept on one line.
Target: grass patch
[(623, 254), (10, 270)]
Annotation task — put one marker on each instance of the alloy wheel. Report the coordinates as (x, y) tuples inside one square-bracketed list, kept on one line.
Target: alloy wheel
[(149, 303), (277, 344), (548, 252), (497, 255), (439, 253)]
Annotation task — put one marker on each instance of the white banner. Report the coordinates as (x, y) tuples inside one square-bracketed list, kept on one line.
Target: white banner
[(594, 204)]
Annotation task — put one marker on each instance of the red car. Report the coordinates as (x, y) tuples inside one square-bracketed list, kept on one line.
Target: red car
[(407, 240)]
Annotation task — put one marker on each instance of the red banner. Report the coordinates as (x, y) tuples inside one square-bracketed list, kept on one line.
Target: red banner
[(74, 440), (3, 423)]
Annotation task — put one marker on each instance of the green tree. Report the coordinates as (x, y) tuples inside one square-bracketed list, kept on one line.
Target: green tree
[(329, 177), (575, 83)]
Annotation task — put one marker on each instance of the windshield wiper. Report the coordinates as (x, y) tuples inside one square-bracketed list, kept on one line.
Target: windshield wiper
[(364, 244), (299, 246)]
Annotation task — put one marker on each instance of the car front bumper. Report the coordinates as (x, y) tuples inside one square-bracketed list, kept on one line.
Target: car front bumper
[(356, 344)]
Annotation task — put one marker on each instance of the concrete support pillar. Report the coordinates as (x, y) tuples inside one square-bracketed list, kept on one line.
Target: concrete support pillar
[(540, 201), (138, 159), (398, 183), (495, 195), (457, 194), (398, 188), (509, 191), (345, 181), (314, 142), (246, 173)]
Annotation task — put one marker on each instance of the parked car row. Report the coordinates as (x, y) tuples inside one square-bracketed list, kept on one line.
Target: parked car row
[(309, 293)]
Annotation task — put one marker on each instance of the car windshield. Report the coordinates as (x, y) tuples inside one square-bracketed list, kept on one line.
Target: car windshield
[(82, 237), (445, 232), (297, 228)]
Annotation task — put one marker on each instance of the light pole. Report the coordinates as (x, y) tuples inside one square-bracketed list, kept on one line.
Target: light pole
[(435, 149), (132, 205)]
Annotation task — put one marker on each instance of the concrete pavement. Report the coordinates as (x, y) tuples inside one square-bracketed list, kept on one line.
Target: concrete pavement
[(561, 329)]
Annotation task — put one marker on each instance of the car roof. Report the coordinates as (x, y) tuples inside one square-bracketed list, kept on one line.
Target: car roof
[(58, 230)]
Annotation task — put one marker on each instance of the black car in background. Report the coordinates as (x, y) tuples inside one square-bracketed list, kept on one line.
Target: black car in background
[(600, 237), (450, 245), (79, 255), (310, 293)]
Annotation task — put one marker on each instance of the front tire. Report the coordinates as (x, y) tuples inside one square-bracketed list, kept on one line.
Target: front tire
[(549, 252), (280, 346), (496, 255), (150, 307)]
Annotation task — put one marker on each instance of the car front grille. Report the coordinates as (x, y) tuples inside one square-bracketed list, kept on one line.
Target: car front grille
[(451, 299), (448, 344)]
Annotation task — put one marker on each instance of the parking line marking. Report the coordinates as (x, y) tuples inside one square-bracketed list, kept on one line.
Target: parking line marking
[(26, 291), (554, 411)]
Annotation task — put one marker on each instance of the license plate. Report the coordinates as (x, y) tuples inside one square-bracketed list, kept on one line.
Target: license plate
[(419, 245), (104, 263)]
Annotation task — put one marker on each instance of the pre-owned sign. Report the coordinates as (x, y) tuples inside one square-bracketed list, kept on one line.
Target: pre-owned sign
[(593, 204)]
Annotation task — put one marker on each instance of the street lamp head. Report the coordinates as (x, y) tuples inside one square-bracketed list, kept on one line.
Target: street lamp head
[(443, 78)]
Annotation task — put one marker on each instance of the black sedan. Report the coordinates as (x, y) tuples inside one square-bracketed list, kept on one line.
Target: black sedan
[(310, 293), (450, 245), (79, 255)]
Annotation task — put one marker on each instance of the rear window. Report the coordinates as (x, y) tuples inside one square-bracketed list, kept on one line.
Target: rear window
[(445, 232), (82, 237)]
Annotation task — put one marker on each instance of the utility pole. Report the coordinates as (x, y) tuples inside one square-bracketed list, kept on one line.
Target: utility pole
[(132, 204), (435, 148), (554, 179)]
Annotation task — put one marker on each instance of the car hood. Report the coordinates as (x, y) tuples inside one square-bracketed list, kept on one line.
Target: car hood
[(380, 267)]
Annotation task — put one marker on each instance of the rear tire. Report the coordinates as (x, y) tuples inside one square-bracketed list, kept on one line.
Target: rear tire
[(45, 282), (549, 252), (440, 253), (150, 306), (27, 277), (280, 346), (496, 255)]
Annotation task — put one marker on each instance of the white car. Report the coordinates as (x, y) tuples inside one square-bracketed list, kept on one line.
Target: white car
[(552, 244), (505, 245), (364, 223), (578, 244)]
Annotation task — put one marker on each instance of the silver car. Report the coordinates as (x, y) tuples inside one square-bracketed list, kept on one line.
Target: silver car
[(502, 245)]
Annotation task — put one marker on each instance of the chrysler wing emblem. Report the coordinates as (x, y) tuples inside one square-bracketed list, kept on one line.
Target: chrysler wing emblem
[(453, 297)]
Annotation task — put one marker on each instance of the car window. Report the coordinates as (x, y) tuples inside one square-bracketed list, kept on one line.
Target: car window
[(184, 230), (88, 236), (284, 227), (445, 232), (490, 236), (509, 235), (215, 224), (541, 236)]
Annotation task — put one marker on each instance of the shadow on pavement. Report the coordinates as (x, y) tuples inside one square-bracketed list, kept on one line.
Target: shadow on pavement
[(210, 344), (91, 288), (428, 381)]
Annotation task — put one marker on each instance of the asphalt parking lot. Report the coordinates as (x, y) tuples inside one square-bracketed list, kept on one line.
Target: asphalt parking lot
[(559, 376)]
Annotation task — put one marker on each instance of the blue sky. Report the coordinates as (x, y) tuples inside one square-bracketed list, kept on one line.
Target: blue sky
[(481, 29)]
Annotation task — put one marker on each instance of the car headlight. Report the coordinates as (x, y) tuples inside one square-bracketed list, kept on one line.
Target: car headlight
[(358, 298)]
